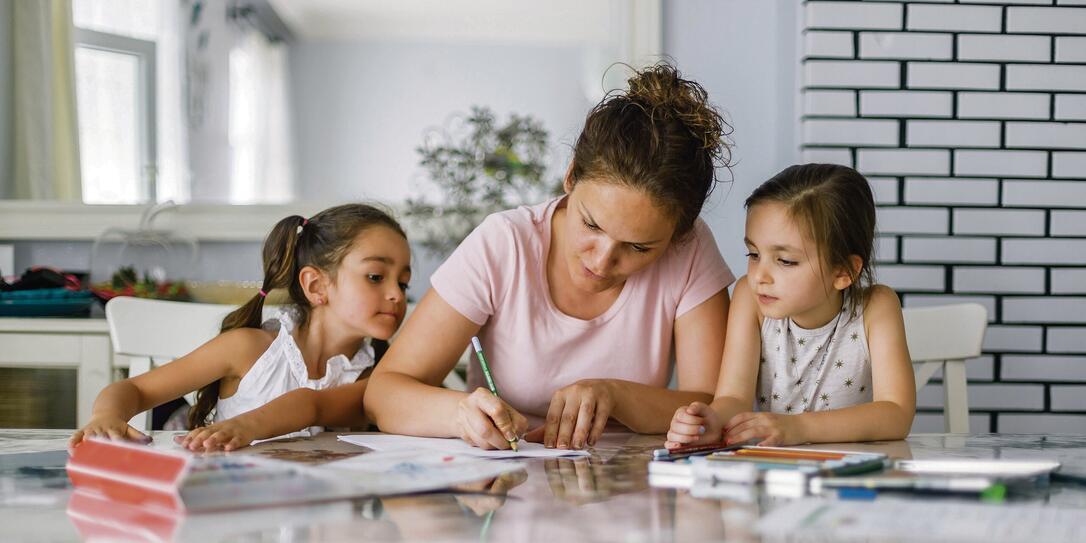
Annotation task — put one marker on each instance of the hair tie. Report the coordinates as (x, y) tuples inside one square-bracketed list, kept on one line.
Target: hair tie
[(262, 293), (305, 221)]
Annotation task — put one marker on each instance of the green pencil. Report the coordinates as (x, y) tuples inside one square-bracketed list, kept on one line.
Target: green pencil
[(490, 381)]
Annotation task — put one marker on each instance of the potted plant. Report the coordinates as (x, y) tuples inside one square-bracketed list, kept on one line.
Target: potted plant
[(478, 167)]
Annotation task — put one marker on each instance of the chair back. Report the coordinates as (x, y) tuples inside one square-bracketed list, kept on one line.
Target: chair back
[(948, 332), (161, 329)]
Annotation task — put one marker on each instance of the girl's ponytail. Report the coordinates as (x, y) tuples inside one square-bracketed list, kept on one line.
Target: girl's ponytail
[(280, 263)]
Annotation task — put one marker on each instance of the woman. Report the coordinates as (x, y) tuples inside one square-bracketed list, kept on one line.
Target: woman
[(579, 300)]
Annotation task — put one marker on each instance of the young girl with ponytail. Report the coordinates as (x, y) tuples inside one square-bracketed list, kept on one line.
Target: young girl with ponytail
[(346, 270)]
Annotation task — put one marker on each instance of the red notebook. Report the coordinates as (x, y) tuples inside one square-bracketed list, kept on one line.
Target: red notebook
[(175, 481)]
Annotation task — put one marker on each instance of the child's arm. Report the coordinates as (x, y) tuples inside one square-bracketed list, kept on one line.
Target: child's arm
[(120, 401), (887, 417), (293, 411), (737, 379)]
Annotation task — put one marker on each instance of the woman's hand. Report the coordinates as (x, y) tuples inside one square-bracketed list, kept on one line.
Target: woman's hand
[(227, 435), (110, 427), (694, 424), (768, 428), (578, 414), (487, 422)]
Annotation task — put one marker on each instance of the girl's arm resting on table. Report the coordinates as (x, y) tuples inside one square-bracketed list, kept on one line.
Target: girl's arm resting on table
[(699, 342), (742, 353), (120, 401), (406, 395)]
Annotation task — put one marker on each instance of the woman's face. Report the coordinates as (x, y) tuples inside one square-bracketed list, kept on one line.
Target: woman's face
[(612, 232)]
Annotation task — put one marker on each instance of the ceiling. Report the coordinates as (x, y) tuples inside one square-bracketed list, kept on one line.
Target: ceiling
[(505, 21)]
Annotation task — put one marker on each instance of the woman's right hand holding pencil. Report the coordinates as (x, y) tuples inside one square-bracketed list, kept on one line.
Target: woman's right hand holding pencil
[(487, 422), (694, 424)]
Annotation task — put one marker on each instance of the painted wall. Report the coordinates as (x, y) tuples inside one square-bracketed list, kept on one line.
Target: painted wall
[(357, 135), (744, 52)]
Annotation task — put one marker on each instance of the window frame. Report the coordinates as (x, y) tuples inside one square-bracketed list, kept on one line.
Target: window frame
[(147, 102)]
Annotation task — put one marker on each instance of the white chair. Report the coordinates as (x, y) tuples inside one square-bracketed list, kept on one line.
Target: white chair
[(154, 332), (945, 337)]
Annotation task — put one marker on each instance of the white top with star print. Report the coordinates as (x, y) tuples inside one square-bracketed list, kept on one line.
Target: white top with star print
[(796, 374)]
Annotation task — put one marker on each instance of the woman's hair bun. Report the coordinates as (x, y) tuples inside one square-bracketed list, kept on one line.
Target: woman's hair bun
[(663, 92)]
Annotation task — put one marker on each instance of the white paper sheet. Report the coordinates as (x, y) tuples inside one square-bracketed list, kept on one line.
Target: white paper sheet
[(392, 442), (889, 519), (409, 471)]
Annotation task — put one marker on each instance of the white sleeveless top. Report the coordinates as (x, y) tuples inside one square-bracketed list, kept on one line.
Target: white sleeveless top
[(814, 370), (282, 369)]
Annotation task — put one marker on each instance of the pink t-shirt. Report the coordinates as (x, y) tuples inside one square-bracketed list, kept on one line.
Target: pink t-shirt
[(497, 278)]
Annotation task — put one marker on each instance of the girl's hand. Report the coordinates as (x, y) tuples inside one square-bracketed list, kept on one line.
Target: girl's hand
[(578, 414), (769, 428), (487, 422), (694, 424), (110, 427), (227, 435)]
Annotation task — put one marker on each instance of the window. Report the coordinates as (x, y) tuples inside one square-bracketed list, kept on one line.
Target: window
[(127, 64)]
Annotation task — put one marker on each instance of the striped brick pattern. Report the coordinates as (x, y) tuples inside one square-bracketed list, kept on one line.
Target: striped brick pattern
[(969, 118)]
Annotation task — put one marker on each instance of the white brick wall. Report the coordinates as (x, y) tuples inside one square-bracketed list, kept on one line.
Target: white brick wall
[(903, 161), (851, 132), (950, 191), (1001, 163), (1002, 222), (828, 44), (851, 73), (999, 279), (1034, 135), (952, 133), (907, 104), (913, 220), (1043, 368), (1044, 251), (911, 45), (884, 189), (1050, 20), (1069, 164), (1003, 47), (949, 249), (1068, 281), (1044, 193), (1068, 223), (1070, 49), (830, 102), (1070, 339), (969, 119), (960, 18), (952, 75), (1071, 107), (1003, 105), (1049, 78), (852, 15), (1061, 309)]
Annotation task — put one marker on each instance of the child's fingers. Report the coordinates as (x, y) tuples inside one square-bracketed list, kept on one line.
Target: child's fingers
[(681, 439), (697, 408), (687, 429), (115, 434), (738, 419), (687, 418), (76, 439), (136, 435), (235, 443)]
